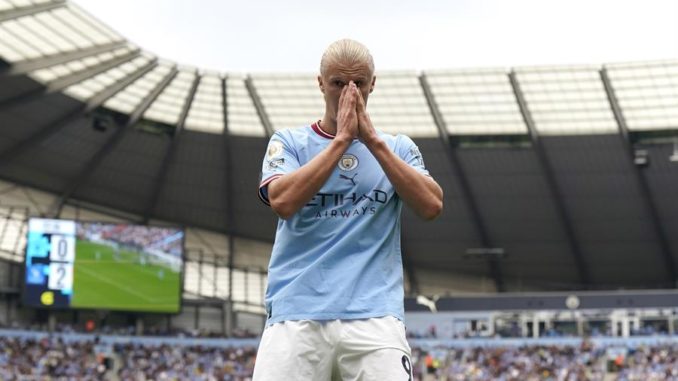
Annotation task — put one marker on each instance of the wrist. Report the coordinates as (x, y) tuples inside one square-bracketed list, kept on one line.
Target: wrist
[(342, 140), (372, 140)]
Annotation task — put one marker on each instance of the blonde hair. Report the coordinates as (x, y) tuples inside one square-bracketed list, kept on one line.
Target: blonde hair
[(346, 51)]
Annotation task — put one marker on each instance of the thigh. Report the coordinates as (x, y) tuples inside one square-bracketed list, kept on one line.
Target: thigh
[(374, 349), (293, 350)]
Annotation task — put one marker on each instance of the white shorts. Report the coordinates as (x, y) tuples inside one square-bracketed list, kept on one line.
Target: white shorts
[(355, 350)]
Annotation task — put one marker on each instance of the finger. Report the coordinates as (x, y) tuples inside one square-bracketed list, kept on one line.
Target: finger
[(353, 88), (360, 100), (342, 96)]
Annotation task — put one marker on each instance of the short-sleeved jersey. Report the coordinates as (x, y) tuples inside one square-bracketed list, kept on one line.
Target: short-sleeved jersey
[(339, 256)]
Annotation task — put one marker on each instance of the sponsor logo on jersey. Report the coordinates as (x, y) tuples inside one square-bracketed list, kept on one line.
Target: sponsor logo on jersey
[(339, 199), (348, 162), (273, 164), (347, 205), (414, 151), (351, 179)]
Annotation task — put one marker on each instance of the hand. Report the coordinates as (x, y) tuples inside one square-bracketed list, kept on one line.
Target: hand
[(366, 132), (347, 117)]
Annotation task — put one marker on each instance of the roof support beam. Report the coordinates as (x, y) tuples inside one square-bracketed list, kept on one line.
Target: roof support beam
[(230, 213), (259, 105), (62, 83), (23, 67), (24, 145), (110, 144), (451, 151), (643, 187), (161, 174), (33, 9), (549, 176)]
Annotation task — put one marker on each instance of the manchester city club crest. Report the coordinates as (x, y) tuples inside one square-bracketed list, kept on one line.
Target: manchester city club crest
[(348, 162)]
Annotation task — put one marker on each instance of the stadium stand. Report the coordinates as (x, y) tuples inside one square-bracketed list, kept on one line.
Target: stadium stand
[(566, 165), (556, 178), (34, 355)]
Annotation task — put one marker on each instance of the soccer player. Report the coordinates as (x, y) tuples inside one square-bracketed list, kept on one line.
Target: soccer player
[(335, 282)]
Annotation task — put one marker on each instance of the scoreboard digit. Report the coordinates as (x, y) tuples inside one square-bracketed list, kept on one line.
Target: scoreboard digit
[(60, 276), (50, 255), (62, 248)]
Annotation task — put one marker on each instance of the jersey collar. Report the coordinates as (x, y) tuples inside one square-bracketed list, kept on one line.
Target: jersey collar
[(316, 127)]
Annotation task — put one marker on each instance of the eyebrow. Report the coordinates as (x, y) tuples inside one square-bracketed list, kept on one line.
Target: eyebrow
[(342, 78)]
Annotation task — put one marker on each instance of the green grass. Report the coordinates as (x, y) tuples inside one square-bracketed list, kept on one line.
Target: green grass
[(122, 283)]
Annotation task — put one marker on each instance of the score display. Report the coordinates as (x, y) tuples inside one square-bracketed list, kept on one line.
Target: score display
[(95, 265), (50, 255)]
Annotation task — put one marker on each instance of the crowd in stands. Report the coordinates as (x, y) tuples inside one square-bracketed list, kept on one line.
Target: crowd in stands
[(52, 358), (185, 363), (91, 359), (139, 237), (523, 363), (567, 363), (29, 359)]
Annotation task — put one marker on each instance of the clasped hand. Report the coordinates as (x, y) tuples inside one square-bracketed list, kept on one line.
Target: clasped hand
[(352, 118)]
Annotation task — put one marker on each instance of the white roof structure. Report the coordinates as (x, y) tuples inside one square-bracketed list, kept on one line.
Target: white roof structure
[(54, 41)]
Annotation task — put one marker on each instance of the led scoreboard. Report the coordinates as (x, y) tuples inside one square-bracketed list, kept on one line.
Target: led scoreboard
[(103, 265), (50, 255)]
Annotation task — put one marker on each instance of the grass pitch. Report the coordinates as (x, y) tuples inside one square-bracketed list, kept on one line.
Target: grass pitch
[(106, 278)]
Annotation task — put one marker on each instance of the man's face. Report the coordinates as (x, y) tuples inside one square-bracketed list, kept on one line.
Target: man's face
[(339, 75)]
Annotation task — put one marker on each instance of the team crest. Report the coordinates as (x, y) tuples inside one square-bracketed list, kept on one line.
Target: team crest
[(274, 149), (348, 162)]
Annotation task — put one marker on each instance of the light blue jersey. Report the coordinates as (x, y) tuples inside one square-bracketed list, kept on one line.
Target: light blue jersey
[(339, 256)]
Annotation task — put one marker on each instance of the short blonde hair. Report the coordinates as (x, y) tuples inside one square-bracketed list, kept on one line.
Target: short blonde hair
[(346, 51)]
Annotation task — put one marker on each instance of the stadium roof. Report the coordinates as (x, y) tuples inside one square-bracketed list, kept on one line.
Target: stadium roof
[(545, 169)]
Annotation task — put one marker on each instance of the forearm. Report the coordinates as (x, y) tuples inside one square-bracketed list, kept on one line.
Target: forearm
[(292, 191), (420, 192)]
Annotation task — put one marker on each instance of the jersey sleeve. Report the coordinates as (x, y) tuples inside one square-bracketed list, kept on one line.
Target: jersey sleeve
[(409, 152), (280, 159)]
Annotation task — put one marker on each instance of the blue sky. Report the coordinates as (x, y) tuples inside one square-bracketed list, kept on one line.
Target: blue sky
[(290, 36)]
